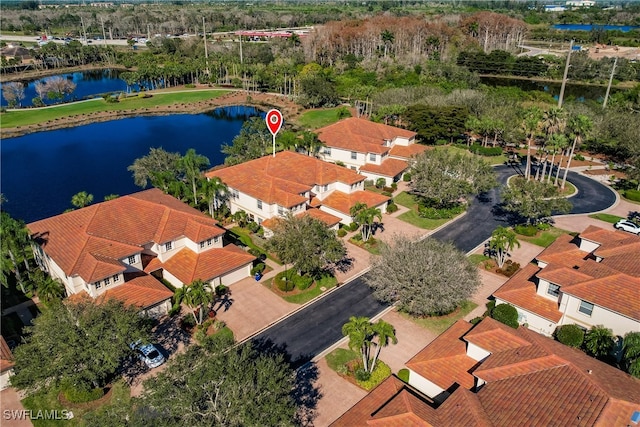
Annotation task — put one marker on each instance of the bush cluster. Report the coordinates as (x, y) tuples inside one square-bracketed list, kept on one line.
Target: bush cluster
[(286, 281), (485, 151), (507, 314), (570, 335), (259, 268), (509, 268), (578, 157), (392, 207), (442, 213), (379, 374), (255, 252), (82, 394), (343, 232), (353, 226), (632, 195), (253, 226), (406, 177), (526, 230)]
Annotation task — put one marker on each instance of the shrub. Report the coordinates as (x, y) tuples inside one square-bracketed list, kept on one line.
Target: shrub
[(526, 230), (378, 375), (485, 151), (362, 375), (343, 232), (543, 226), (632, 195), (221, 290), (570, 335), (380, 182), (368, 183), (357, 237), (187, 322), (259, 268), (81, 394), (442, 142), (111, 99), (283, 282), (339, 163), (392, 207), (253, 226), (507, 314), (509, 268), (394, 186), (442, 213), (403, 374), (189, 85), (388, 189), (386, 193), (406, 177), (303, 282), (255, 252), (578, 157), (354, 226)]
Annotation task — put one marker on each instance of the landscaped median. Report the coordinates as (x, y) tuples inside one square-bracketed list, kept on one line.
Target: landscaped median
[(427, 218), (298, 289)]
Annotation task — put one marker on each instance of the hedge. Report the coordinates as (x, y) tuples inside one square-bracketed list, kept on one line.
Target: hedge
[(526, 230), (342, 232), (632, 195), (392, 207), (485, 151), (507, 314), (570, 335)]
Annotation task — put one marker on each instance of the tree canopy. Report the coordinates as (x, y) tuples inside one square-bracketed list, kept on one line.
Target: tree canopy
[(81, 343), (533, 200), (443, 177), (424, 278), (305, 242), (150, 168), (434, 123), (253, 142)]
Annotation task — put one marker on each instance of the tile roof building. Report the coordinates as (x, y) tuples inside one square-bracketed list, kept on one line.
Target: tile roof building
[(592, 279), (376, 150), (270, 187), (6, 363), (109, 248), (493, 375)]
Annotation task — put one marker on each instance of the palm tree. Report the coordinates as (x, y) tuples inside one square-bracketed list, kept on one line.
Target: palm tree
[(553, 144), (193, 163), (387, 38), (502, 241), (598, 341), (311, 143), (580, 126), (554, 121), (198, 295), (365, 216), (213, 192), (384, 333), (562, 143), (631, 353), (531, 127), (81, 199), (48, 288), (360, 333), (15, 250)]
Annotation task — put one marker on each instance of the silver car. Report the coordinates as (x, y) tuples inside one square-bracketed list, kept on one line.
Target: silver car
[(627, 225), (149, 354)]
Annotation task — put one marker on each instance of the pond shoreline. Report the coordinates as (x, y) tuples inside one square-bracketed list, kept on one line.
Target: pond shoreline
[(38, 74), (263, 101)]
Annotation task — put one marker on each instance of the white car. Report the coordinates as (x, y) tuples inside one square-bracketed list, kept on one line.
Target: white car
[(627, 225), (148, 353)]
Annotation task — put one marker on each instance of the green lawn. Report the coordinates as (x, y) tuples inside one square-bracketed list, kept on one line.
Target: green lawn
[(32, 116), (544, 238), (244, 236), (440, 324), (612, 219), (405, 199), (408, 201), (48, 400), (339, 357), (315, 119), (478, 258), (306, 296), (492, 160)]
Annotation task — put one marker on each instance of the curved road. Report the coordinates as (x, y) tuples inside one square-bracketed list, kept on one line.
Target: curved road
[(311, 330)]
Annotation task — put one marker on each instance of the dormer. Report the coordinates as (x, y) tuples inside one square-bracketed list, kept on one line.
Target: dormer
[(587, 245)]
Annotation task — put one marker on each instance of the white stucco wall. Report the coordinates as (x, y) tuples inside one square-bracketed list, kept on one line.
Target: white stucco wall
[(399, 140), (618, 323), (236, 275), (158, 310), (344, 156), (534, 322), (171, 279), (344, 218), (424, 385), (476, 353), (4, 379), (374, 177), (588, 246)]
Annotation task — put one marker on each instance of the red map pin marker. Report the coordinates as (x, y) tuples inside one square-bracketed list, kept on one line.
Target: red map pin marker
[(274, 121)]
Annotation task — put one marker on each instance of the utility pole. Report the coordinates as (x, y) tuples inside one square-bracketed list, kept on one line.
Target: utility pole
[(606, 96), (104, 35), (241, 48), (564, 77), (206, 52), (84, 30)]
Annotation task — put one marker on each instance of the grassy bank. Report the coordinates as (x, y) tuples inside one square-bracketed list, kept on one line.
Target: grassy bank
[(12, 119)]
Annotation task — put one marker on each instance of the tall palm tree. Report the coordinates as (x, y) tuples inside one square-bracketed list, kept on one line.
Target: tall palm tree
[(213, 192), (552, 145), (562, 143), (360, 333), (198, 295), (502, 241), (365, 216), (193, 163), (631, 353), (47, 288), (598, 341), (554, 122), (580, 126), (384, 333), (15, 250), (311, 143), (531, 127), (81, 199)]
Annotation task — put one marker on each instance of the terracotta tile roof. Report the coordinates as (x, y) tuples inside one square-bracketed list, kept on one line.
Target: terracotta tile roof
[(494, 337), (343, 202), (188, 266), (619, 293), (406, 409), (323, 216), (89, 242), (463, 408), (389, 167), (564, 251), (6, 357), (360, 135), (520, 291), (143, 291), (445, 361), (407, 151), (281, 179), (562, 275)]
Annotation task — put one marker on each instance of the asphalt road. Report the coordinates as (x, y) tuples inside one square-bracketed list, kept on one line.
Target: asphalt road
[(311, 330)]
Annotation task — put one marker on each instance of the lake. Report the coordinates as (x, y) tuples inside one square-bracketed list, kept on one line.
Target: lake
[(589, 27), (41, 171), (572, 91)]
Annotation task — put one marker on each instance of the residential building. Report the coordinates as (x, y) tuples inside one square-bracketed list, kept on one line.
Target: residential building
[(272, 186), (374, 149), (122, 247), (6, 364), (493, 375), (592, 279)]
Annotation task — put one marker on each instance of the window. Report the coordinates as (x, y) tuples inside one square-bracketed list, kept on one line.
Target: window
[(116, 278), (132, 259), (280, 210), (202, 244), (327, 151), (325, 188), (260, 204), (98, 285), (168, 246), (553, 290), (372, 157), (215, 239), (107, 281), (354, 155), (235, 194), (586, 308), (353, 167)]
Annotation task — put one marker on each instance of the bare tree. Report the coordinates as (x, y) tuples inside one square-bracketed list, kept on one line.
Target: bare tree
[(13, 93)]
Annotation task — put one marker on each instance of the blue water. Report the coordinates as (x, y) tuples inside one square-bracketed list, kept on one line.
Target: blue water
[(40, 172), (88, 85), (589, 27)]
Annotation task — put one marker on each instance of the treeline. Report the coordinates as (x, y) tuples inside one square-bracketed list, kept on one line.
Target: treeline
[(501, 62)]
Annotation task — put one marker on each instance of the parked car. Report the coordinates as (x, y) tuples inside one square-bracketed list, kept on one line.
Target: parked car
[(148, 353), (627, 225)]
